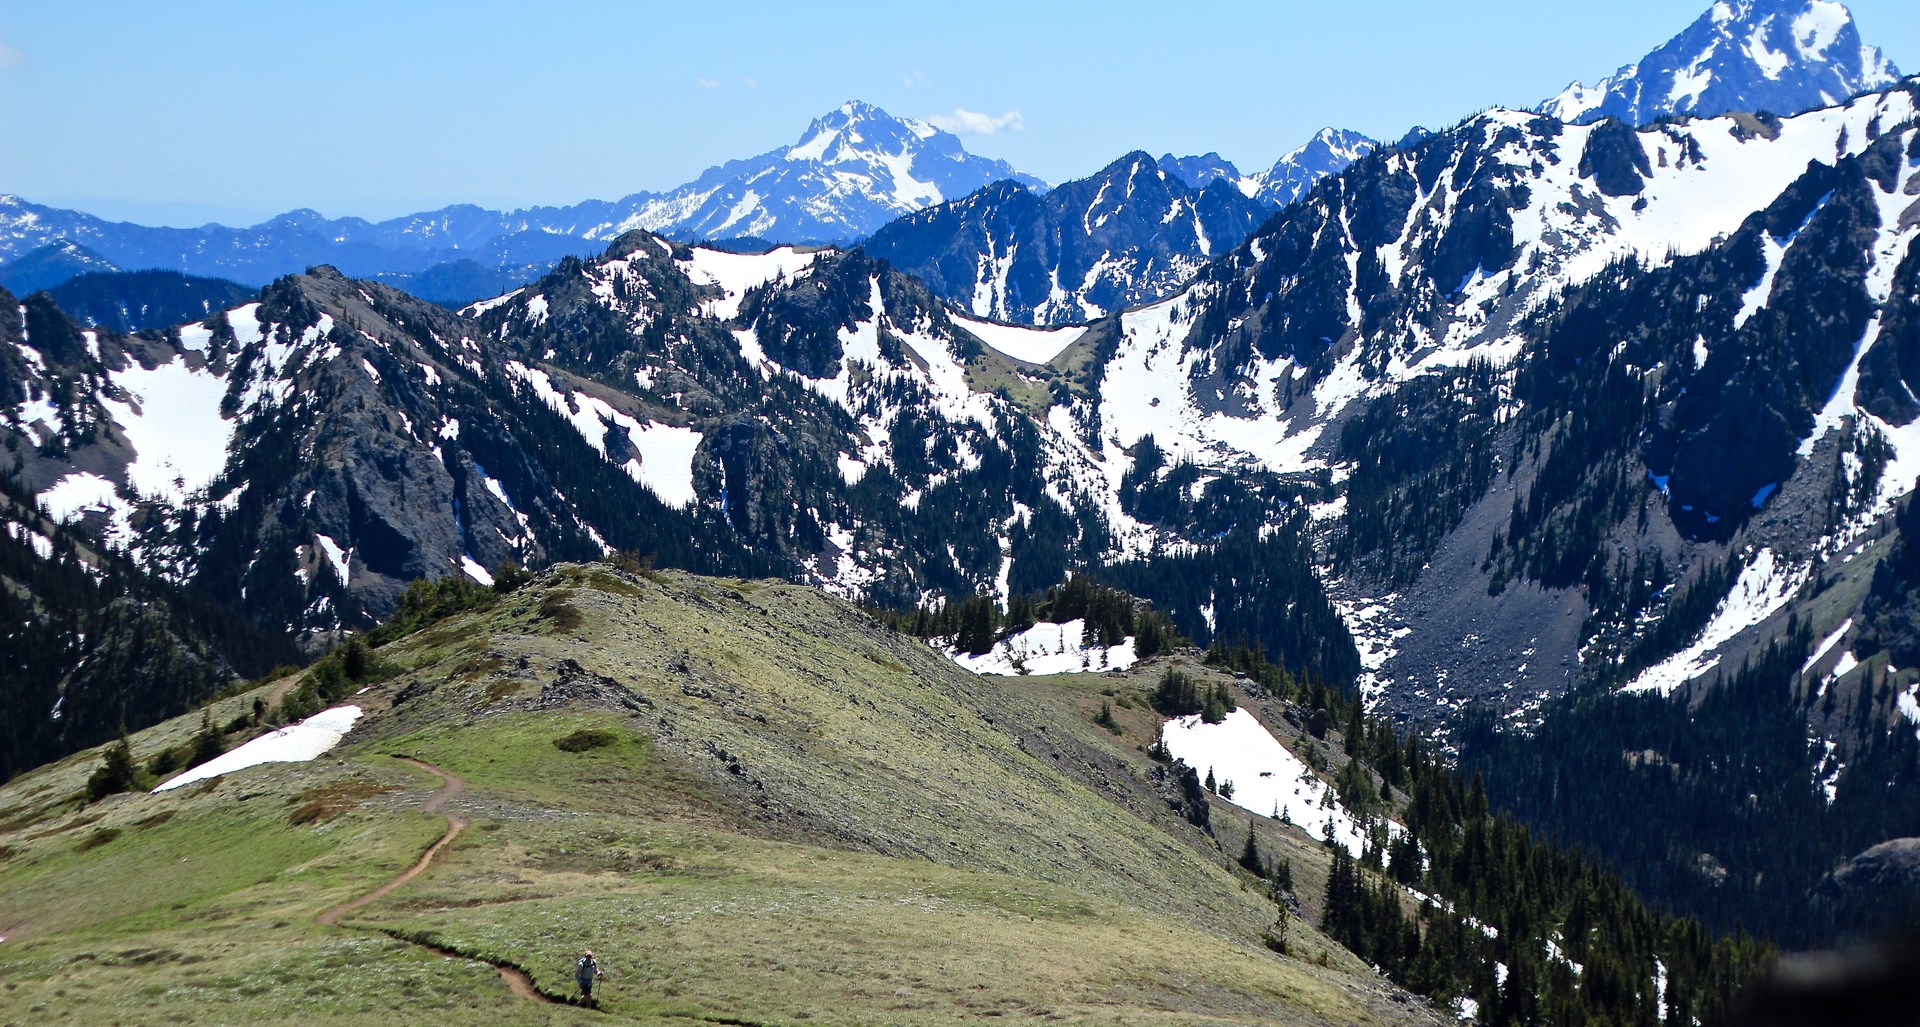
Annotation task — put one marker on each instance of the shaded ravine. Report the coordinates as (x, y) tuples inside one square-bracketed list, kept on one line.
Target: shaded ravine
[(517, 980)]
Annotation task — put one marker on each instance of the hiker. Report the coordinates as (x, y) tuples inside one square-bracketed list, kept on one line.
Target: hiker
[(584, 973)]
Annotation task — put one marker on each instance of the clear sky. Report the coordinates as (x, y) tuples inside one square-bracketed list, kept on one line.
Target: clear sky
[(186, 111)]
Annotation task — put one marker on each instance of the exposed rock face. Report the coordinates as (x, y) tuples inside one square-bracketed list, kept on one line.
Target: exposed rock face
[(1180, 785), (1890, 868)]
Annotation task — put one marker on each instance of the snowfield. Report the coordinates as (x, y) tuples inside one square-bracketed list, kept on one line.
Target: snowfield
[(296, 743), (1048, 649), (1267, 779), (172, 418), (1033, 345), (735, 274)]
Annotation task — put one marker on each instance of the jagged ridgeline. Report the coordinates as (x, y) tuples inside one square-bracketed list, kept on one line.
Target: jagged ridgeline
[(758, 804), (1130, 234), (812, 415)]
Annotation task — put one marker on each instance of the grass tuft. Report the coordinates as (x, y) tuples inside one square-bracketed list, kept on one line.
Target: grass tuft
[(98, 838)]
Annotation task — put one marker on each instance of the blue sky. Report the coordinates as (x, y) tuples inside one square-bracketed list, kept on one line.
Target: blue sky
[(187, 111)]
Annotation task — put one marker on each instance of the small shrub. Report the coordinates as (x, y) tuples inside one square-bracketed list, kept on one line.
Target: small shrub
[(426, 602), (613, 583), (163, 763), (1180, 696), (555, 606), (298, 704), (1105, 719), (584, 739), (636, 564), (509, 577)]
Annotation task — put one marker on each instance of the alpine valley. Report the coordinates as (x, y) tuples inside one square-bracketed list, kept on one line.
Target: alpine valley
[(1545, 476)]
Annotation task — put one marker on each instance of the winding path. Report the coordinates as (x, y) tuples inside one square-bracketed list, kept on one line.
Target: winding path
[(451, 785)]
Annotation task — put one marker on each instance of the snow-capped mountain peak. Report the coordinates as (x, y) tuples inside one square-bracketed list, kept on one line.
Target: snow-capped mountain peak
[(1783, 56), (1327, 153), (854, 169), (855, 131)]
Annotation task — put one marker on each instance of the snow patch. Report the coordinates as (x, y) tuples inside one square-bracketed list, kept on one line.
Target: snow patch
[(736, 274), (1267, 779), (294, 744), (475, 571), (1826, 645), (340, 558), (1765, 587), (1048, 649), (666, 461)]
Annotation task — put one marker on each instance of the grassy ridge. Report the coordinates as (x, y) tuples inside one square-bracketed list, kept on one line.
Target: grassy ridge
[(797, 817)]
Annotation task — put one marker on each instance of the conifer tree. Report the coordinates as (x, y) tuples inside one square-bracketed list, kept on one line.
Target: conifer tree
[(115, 773)]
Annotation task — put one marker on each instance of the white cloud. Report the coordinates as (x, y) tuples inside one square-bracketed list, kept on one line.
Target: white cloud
[(10, 58), (973, 123), (708, 83), (915, 79)]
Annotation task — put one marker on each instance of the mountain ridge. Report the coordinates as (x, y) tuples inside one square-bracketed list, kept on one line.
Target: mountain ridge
[(852, 170)]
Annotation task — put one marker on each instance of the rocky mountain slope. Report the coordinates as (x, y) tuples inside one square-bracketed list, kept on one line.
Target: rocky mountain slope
[(1420, 308), (1327, 153), (1296, 172), (1780, 56), (1130, 234)]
